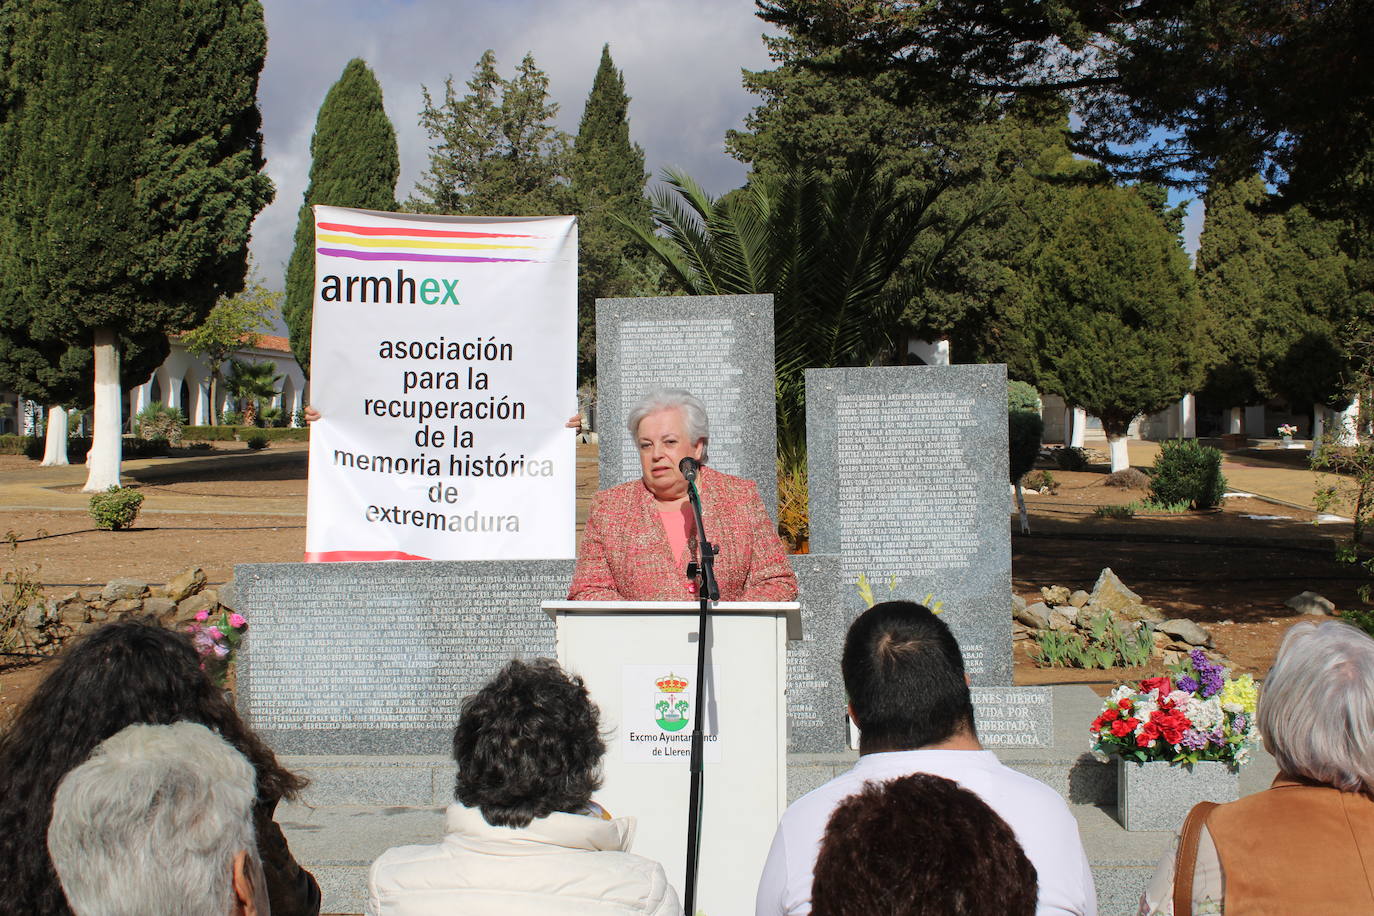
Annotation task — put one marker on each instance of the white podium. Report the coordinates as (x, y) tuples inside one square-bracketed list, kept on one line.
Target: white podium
[(638, 660)]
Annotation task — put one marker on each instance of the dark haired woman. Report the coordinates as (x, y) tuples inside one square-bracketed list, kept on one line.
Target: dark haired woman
[(125, 673), (525, 836)]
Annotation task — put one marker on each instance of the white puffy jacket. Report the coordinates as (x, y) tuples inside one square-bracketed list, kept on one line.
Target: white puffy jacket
[(561, 864)]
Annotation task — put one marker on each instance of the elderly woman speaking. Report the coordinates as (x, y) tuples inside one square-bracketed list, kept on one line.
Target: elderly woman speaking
[(641, 535), (1306, 845)]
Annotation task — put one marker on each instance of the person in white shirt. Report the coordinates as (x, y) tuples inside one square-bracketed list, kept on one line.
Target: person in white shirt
[(909, 696)]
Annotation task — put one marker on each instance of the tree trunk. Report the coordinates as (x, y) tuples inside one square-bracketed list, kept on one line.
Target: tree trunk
[(214, 395), (55, 445), (102, 464), (1021, 508), (1121, 458), (250, 412)]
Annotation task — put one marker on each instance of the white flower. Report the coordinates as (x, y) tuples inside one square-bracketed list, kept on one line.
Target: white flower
[(1120, 693), (1204, 714)]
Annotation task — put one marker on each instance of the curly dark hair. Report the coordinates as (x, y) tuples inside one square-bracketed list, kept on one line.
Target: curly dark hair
[(129, 672), (528, 744), (920, 846)]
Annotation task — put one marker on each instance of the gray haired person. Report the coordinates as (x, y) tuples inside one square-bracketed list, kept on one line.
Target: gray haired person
[(159, 822), (1306, 844)]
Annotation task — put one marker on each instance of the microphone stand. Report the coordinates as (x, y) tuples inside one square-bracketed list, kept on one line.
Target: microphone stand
[(703, 572)]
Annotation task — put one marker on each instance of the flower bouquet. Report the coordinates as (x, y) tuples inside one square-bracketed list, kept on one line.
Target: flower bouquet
[(1196, 713), (1288, 430), (216, 642)]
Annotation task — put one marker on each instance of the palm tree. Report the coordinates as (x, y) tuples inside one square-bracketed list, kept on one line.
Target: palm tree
[(830, 251), (250, 384)]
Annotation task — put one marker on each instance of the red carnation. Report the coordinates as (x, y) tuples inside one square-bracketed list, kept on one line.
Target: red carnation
[(1162, 684)]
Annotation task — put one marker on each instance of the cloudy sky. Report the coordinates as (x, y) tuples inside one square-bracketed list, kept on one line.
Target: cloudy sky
[(681, 61)]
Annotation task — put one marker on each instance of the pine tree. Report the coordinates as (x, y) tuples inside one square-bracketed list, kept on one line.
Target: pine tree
[(1114, 319), (496, 151), (607, 181), (131, 138), (353, 163)]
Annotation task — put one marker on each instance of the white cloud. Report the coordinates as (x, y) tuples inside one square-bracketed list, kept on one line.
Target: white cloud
[(681, 62)]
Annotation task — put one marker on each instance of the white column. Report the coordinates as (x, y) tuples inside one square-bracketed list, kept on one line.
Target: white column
[(1187, 416), (1346, 423), (1235, 420), (172, 396), (142, 395), (930, 352), (1318, 425), (1080, 422)]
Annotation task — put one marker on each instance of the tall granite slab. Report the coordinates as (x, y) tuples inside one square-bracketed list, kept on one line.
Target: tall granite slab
[(720, 348), (374, 658), (908, 486), (815, 693)]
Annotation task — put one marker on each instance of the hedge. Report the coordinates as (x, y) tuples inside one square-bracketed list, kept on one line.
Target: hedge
[(230, 433)]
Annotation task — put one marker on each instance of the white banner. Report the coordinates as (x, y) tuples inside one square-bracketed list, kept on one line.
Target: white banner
[(443, 365)]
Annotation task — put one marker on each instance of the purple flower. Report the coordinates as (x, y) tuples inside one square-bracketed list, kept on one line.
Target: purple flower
[(1216, 736), (1212, 682), (1187, 684), (1240, 723), (1193, 740)]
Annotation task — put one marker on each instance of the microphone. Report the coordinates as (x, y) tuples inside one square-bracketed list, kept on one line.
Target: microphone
[(689, 467)]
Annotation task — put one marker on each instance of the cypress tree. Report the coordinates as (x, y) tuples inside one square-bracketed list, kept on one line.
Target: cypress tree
[(1115, 319), (607, 179), (353, 163), (131, 137)]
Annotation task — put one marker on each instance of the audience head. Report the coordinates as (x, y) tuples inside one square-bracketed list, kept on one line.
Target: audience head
[(528, 744), (126, 673), (904, 676), (158, 820), (920, 846), (1316, 711)]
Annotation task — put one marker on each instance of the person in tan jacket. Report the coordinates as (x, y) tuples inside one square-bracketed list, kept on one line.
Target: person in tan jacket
[(1305, 845), (525, 835)]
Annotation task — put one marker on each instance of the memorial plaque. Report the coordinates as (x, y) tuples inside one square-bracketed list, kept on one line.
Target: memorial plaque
[(374, 658), (1014, 716), (908, 486), (815, 692), (720, 348)]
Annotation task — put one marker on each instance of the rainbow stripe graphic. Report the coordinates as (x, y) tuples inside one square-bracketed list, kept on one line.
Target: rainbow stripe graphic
[(403, 243)]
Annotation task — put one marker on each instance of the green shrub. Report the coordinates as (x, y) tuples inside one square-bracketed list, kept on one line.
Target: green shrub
[(158, 421), (1024, 431), (1126, 511), (1187, 472), (1149, 505), (231, 418), (257, 441), (1107, 645), (273, 417), (1021, 396), (116, 508), (11, 444), (1040, 480), (1360, 618), (1071, 458), (230, 433)]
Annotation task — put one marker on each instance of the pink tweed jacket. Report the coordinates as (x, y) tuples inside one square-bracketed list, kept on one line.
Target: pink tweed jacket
[(625, 554)]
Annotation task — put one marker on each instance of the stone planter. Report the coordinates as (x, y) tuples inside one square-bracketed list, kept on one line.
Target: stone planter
[(1159, 795)]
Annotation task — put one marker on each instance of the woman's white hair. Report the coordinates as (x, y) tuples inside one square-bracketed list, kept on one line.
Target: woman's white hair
[(693, 412), (152, 822), (1317, 708)]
